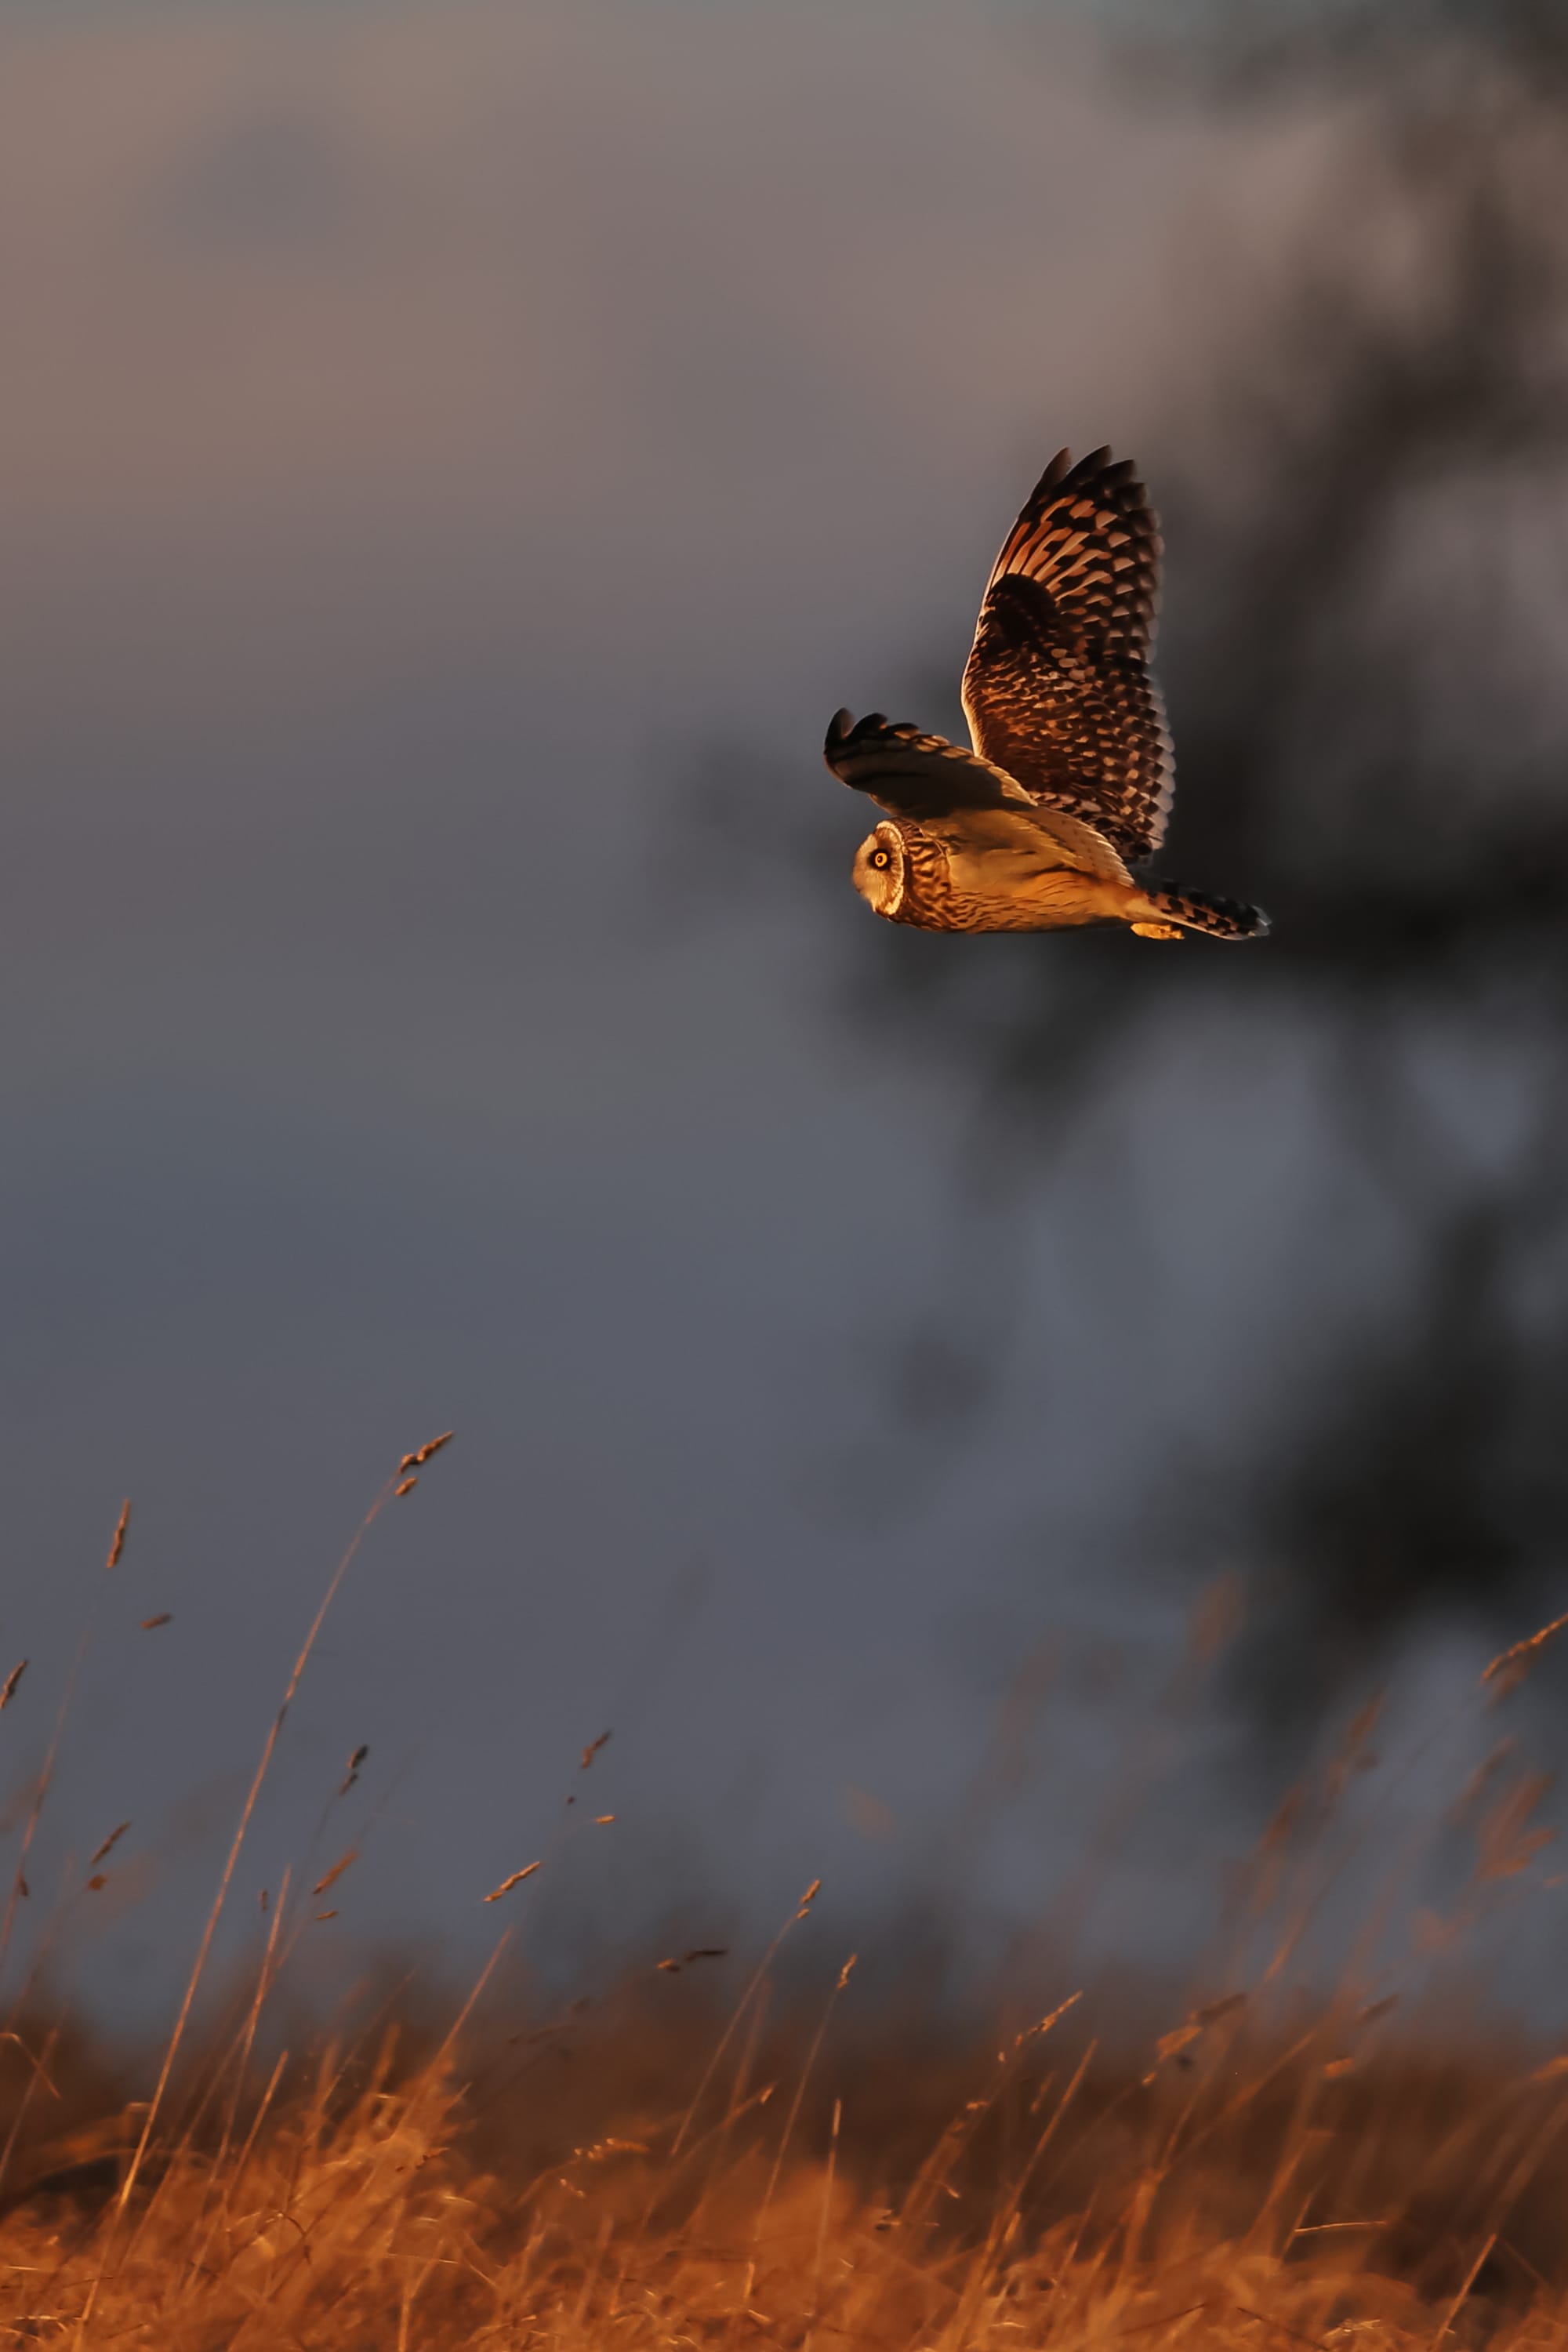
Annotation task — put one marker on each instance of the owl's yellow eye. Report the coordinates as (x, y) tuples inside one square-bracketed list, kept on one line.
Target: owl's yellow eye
[(879, 858)]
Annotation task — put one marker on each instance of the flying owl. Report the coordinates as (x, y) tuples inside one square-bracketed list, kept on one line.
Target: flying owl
[(1069, 781)]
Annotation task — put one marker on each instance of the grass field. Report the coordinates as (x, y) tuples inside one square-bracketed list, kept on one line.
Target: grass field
[(722, 2151)]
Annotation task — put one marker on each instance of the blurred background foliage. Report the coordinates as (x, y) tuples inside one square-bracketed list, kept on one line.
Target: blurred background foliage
[(1365, 509)]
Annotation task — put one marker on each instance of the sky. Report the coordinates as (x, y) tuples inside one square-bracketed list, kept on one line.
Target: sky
[(434, 433)]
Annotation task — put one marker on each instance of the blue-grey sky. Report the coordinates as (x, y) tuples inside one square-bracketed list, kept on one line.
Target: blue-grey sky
[(429, 430)]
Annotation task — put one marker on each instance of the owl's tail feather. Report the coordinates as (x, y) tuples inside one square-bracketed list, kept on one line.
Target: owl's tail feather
[(1197, 910)]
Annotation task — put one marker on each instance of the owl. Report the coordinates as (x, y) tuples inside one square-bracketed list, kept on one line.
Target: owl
[(1069, 782)]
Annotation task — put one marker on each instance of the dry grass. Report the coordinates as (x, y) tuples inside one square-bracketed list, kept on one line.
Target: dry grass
[(1260, 2194), (718, 2157)]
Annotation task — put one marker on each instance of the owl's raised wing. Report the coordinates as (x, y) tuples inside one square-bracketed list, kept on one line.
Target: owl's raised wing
[(1058, 690), (958, 794)]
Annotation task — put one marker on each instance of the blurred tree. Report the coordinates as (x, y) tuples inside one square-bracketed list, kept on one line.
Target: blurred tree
[(1388, 775), (1370, 583), (1394, 776)]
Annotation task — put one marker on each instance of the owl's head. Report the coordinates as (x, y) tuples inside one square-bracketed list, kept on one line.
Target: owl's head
[(880, 870)]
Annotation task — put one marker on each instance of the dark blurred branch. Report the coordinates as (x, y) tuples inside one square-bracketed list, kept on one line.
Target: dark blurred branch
[(1418, 873)]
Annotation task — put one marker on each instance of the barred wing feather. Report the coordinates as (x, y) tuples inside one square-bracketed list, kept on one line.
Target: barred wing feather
[(1058, 690), (915, 775)]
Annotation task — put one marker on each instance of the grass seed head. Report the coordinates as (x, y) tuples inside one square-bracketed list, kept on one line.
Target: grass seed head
[(336, 1871), (117, 1544), (1509, 1667), (515, 1880), (432, 1446)]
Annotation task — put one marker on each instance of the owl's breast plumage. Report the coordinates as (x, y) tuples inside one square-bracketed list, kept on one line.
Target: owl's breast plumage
[(926, 902), (933, 900), (969, 886)]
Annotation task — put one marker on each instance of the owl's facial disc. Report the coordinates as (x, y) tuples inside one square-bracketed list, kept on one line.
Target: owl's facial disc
[(880, 870)]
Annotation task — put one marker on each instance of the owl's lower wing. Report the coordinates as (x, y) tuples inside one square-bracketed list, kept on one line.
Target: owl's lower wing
[(1057, 690), (915, 775), (964, 800)]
